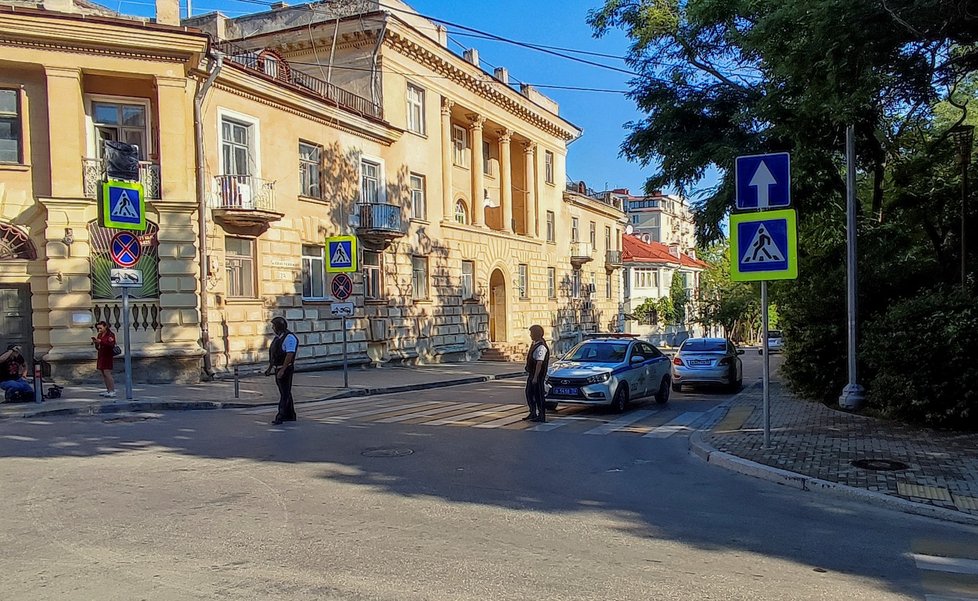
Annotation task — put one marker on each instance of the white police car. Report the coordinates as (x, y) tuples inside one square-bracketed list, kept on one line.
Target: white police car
[(609, 370)]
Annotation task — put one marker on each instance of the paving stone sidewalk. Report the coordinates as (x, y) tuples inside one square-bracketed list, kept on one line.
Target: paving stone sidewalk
[(940, 469), (255, 389)]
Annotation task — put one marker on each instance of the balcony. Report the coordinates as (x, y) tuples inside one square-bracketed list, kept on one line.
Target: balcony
[(612, 259), (93, 174), (244, 201), (581, 252), (380, 223)]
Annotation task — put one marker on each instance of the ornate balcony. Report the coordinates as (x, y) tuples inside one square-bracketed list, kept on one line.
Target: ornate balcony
[(581, 252), (244, 200), (93, 174), (380, 223), (612, 259)]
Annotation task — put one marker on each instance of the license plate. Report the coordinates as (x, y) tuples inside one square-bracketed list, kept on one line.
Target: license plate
[(565, 391), (700, 362)]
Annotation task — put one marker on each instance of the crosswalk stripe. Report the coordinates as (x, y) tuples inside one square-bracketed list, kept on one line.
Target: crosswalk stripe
[(346, 416), (402, 411), (954, 565), (504, 421), (442, 408), (348, 409), (459, 410), (552, 424), (625, 420), (461, 418), (679, 424)]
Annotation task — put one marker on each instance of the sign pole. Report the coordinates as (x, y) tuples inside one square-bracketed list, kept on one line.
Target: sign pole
[(346, 376), (766, 369), (125, 338), (852, 395)]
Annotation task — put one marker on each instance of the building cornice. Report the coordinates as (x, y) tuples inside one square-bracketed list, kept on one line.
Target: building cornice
[(595, 206)]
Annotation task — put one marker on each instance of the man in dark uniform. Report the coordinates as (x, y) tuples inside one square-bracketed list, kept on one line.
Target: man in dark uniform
[(537, 359), (281, 362)]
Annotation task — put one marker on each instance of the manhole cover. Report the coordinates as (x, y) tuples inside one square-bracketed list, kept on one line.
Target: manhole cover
[(387, 452), (880, 465)]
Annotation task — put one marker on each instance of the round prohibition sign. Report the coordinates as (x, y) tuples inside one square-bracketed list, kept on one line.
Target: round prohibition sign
[(125, 249), (341, 286)]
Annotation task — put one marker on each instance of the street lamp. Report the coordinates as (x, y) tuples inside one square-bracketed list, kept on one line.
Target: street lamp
[(963, 136)]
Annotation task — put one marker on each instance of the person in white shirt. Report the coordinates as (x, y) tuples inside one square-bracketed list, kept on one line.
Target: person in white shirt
[(537, 359), (281, 362)]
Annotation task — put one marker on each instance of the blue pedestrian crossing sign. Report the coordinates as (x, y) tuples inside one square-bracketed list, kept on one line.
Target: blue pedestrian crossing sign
[(764, 246), (341, 254), (123, 206), (763, 181)]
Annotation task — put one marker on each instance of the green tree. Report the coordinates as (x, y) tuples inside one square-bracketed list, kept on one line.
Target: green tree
[(679, 298), (732, 306)]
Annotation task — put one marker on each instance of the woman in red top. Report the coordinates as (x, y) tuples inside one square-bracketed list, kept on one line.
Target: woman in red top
[(104, 342)]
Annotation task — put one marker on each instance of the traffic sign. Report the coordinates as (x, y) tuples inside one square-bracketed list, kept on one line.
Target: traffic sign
[(125, 249), (341, 286), (341, 309), (763, 181), (764, 246), (341, 254), (125, 278), (122, 206)]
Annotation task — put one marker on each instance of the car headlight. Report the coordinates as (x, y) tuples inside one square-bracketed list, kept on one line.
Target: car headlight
[(599, 378)]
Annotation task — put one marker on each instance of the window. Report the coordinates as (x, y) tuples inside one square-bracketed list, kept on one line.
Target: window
[(419, 278), (313, 273), (460, 141), (646, 278), (486, 158), (551, 227), (594, 284), (370, 181), (576, 283), (415, 109), (461, 214), (10, 130), (593, 235), (607, 285), (522, 280), (468, 280), (551, 282), (418, 208), (310, 169), (548, 166), (607, 238), (240, 262), (236, 145), (120, 123), (575, 229), (373, 283), (635, 219)]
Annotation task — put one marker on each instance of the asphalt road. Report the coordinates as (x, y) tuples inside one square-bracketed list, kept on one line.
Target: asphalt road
[(427, 495)]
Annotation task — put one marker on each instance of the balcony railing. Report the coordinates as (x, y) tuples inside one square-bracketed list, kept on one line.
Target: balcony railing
[(381, 218), (581, 252), (93, 174), (612, 258), (244, 193)]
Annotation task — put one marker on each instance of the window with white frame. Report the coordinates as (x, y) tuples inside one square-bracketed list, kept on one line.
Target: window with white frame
[(371, 181), (551, 282), (576, 283), (594, 283), (239, 259), (607, 238), (646, 278), (415, 109), (460, 142), (461, 213), (594, 235), (418, 208), (548, 166), (373, 283), (10, 127), (468, 280), (607, 285), (551, 227), (121, 122), (575, 229), (313, 273), (237, 147), (310, 170), (522, 282), (419, 278)]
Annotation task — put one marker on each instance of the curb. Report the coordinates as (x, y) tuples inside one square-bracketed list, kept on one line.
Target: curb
[(97, 408), (708, 453)]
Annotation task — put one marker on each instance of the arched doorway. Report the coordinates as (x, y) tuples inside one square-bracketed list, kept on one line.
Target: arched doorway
[(497, 307)]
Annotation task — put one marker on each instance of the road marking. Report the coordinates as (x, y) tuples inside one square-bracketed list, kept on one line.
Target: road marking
[(495, 410), (680, 424), (954, 565), (625, 420), (946, 598), (444, 408)]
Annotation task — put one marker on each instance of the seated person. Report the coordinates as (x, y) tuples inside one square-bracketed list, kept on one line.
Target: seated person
[(13, 373)]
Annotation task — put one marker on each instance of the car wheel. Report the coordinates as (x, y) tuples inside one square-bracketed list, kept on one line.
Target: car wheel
[(662, 396), (620, 401), (677, 387), (550, 405)]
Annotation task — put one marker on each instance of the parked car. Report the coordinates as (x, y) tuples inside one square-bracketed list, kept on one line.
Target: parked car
[(775, 342), (611, 370), (708, 361)]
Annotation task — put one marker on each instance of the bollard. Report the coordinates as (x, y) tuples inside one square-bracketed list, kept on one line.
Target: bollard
[(38, 384), (237, 385)]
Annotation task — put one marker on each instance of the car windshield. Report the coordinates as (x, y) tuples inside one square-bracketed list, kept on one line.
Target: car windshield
[(598, 352), (774, 334), (700, 345)]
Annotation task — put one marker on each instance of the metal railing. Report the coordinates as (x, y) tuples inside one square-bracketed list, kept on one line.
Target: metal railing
[(93, 174), (613, 257), (144, 317), (244, 193), (581, 251), (381, 217), (280, 70)]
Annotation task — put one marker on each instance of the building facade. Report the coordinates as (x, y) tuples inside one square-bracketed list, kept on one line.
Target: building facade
[(658, 217)]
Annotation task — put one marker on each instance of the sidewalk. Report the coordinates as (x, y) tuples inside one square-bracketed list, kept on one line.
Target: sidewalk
[(256, 390), (814, 447)]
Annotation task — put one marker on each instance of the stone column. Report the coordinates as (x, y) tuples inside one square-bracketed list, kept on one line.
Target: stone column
[(478, 185), (447, 152), (66, 130), (529, 152), (177, 173), (506, 179)]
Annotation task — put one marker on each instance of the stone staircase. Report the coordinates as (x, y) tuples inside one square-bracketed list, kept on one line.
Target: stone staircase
[(504, 352)]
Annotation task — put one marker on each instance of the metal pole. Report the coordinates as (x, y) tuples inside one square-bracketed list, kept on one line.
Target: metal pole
[(766, 367), (852, 394), (125, 338), (38, 384), (237, 384), (964, 215), (346, 375)]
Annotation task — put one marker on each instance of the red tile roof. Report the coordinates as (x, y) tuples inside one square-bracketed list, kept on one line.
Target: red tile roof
[(636, 251)]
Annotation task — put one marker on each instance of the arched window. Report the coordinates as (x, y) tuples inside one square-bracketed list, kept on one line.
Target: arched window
[(14, 244), (101, 263), (461, 212)]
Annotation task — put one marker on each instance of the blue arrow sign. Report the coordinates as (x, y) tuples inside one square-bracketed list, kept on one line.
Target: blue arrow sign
[(763, 181)]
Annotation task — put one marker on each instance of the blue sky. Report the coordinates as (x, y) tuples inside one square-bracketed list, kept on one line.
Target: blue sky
[(594, 157)]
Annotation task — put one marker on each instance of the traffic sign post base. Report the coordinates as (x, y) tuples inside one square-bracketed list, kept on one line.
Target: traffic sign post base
[(852, 397)]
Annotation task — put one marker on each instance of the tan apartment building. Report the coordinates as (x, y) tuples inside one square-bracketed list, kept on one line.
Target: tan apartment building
[(452, 180), (657, 217)]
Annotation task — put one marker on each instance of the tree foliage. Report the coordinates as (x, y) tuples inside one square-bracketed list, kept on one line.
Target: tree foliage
[(733, 306)]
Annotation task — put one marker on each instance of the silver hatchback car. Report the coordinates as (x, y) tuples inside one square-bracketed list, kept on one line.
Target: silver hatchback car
[(708, 361)]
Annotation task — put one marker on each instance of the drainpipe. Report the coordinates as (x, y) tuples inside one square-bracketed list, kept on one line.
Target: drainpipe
[(216, 63)]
